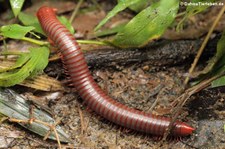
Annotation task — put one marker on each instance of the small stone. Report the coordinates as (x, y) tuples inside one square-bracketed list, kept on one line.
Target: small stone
[(146, 68)]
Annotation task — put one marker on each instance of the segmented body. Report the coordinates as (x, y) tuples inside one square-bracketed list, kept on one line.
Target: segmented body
[(93, 95)]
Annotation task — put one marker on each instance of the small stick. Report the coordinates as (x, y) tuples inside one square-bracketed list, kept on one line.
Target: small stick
[(204, 44), (75, 11), (81, 120), (57, 137), (154, 104), (157, 90), (51, 126), (185, 96)]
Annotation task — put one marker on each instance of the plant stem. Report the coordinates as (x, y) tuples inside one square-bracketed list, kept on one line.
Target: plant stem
[(93, 42), (16, 52), (185, 96), (42, 43), (180, 14), (38, 42), (203, 45), (75, 11)]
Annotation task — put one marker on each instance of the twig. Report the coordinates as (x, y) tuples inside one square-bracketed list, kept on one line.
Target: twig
[(51, 126), (38, 42), (57, 137), (94, 42), (180, 14), (157, 90), (3, 119), (154, 104), (81, 120), (43, 43), (18, 121), (204, 44), (75, 11), (47, 134), (184, 97)]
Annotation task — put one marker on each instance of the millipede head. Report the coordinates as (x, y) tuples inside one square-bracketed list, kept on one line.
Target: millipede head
[(45, 10), (182, 129)]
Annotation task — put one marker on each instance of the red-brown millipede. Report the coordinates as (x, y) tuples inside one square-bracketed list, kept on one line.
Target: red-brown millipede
[(93, 95)]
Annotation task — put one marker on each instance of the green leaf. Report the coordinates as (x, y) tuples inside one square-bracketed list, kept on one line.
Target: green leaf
[(31, 20), (66, 22), (40, 60), (149, 24), (219, 62), (218, 68), (37, 62), (15, 31), (23, 58), (220, 52), (16, 6), (140, 5), (218, 82), (110, 31), (122, 4)]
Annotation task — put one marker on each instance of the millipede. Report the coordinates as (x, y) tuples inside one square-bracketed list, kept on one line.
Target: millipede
[(92, 94)]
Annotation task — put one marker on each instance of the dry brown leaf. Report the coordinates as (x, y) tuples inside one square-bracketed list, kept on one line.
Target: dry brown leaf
[(44, 83)]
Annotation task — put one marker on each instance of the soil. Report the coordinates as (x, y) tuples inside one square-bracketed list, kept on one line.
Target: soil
[(136, 86)]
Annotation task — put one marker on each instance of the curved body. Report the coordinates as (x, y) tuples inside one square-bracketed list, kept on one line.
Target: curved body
[(93, 95)]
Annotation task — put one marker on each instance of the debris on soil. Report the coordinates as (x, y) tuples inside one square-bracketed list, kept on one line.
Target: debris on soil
[(8, 135)]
